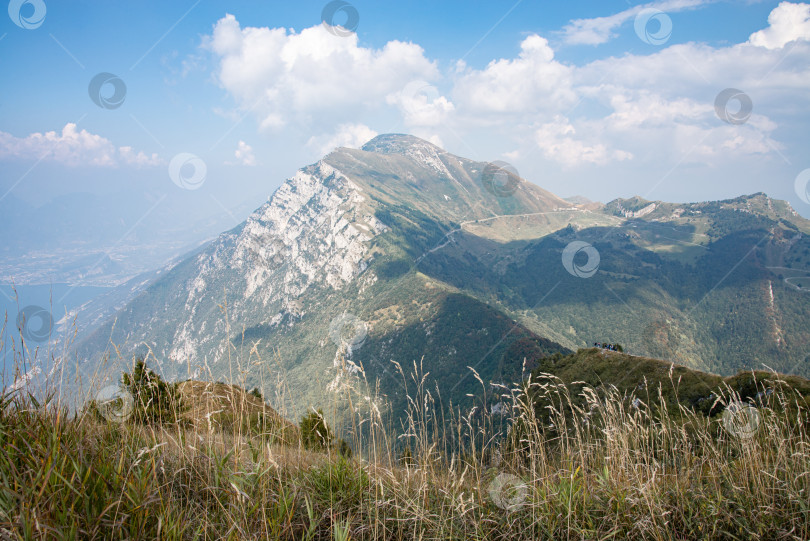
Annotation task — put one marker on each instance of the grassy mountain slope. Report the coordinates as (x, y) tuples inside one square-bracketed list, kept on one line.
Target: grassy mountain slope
[(722, 308), (644, 377), (390, 240)]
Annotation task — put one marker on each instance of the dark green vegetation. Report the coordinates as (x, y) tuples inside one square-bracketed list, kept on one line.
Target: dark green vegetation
[(152, 400), (155, 400), (462, 333), (317, 435)]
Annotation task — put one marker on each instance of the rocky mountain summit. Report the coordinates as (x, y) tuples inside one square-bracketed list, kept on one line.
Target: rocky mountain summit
[(401, 252)]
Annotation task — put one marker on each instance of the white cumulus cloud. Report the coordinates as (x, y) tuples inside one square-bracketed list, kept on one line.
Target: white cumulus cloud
[(244, 155), (346, 135), (73, 147), (421, 104), (787, 22), (532, 82), (558, 142), (311, 76), (638, 112)]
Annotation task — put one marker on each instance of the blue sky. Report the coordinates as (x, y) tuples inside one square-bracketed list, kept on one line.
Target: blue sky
[(570, 93)]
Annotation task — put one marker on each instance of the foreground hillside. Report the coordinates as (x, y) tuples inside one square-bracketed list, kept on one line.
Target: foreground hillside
[(208, 406), (584, 454), (642, 377)]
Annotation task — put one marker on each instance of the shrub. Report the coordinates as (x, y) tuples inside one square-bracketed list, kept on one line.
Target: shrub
[(155, 401), (344, 448), (315, 433)]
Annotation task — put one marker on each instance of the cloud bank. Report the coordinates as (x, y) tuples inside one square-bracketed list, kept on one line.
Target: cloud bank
[(612, 110), (73, 147)]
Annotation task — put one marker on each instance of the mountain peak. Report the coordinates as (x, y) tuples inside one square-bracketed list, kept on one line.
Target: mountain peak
[(398, 143)]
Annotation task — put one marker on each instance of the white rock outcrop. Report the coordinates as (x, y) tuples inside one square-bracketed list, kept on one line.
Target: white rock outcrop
[(313, 232)]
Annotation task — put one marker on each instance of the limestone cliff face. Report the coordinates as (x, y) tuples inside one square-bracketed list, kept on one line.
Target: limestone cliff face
[(314, 232)]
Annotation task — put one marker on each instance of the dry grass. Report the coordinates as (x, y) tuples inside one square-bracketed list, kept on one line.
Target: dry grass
[(211, 406), (553, 468)]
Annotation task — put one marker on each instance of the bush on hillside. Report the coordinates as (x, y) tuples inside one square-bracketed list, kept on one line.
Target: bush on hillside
[(155, 401), (316, 434)]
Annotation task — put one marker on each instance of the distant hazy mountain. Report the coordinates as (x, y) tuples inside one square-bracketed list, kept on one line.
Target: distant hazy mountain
[(401, 251), (101, 240)]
